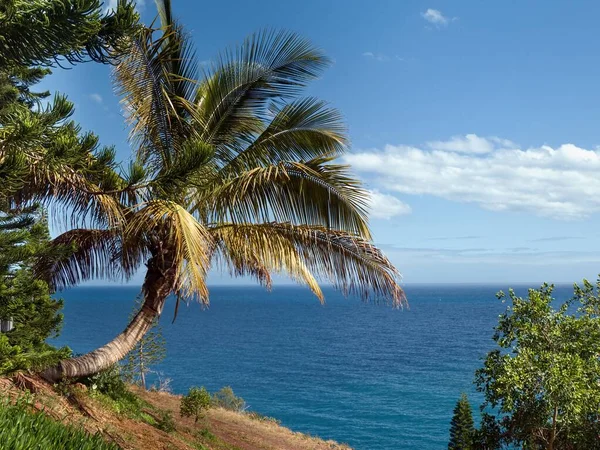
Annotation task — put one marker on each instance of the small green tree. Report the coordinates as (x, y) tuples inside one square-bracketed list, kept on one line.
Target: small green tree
[(23, 298), (462, 429), (150, 350), (195, 403), (225, 398), (544, 379)]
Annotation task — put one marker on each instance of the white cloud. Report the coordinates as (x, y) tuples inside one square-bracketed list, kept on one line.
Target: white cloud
[(384, 206), (469, 143), (97, 98), (436, 17), (494, 173)]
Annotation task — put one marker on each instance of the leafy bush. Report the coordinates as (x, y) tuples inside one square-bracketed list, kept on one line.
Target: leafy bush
[(110, 388), (166, 422), (225, 398), (540, 384), (195, 403), (24, 430), (108, 382)]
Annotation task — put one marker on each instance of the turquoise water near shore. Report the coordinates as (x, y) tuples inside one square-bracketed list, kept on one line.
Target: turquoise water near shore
[(367, 375)]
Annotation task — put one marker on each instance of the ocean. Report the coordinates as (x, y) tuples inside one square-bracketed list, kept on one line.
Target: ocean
[(363, 374)]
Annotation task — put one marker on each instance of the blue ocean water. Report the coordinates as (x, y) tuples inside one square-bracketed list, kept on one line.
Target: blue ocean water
[(363, 374)]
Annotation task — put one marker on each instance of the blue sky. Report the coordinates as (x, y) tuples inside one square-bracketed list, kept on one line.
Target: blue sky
[(475, 124)]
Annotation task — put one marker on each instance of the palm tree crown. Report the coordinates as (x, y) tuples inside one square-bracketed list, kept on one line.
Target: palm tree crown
[(231, 168)]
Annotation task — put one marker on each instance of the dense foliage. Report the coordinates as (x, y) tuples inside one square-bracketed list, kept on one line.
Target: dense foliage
[(40, 32), (40, 145), (543, 381), (21, 429), (23, 298), (462, 429), (232, 167), (195, 403)]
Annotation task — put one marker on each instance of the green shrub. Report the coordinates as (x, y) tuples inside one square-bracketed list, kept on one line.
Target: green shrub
[(195, 403), (225, 398), (21, 429), (108, 387), (166, 422), (108, 382)]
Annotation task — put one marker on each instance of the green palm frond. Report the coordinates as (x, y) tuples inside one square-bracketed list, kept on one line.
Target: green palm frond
[(76, 196), (351, 263), (190, 168), (154, 96), (302, 193), (269, 66), (184, 241), (302, 130), (84, 254), (183, 63)]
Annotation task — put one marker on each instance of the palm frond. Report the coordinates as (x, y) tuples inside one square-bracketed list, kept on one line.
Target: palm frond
[(171, 227), (84, 254), (351, 263), (154, 95), (268, 66), (74, 197), (257, 251), (190, 168), (314, 193), (183, 63), (302, 130)]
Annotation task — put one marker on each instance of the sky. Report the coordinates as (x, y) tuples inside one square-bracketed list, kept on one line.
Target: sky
[(475, 125)]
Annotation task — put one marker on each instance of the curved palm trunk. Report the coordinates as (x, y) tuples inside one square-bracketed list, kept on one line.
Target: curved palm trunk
[(157, 287)]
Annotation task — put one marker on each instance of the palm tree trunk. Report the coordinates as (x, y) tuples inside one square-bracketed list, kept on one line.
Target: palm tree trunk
[(157, 286)]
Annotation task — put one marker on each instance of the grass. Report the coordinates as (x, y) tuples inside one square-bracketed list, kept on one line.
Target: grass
[(21, 429)]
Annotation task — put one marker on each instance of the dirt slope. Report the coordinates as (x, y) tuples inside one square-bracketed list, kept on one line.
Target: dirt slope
[(219, 430)]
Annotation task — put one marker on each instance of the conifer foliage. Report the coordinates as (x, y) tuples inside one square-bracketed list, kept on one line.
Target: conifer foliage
[(23, 298), (462, 429), (41, 146)]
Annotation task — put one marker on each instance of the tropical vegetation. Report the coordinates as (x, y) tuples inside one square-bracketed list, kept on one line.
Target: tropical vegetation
[(541, 385), (462, 428), (39, 143), (232, 168), (195, 403), (25, 301)]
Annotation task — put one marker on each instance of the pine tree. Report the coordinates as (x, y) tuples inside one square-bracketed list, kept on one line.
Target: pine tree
[(42, 32), (40, 144), (26, 300), (462, 429), (150, 350)]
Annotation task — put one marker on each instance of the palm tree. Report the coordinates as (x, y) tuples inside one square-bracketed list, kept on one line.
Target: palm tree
[(235, 170)]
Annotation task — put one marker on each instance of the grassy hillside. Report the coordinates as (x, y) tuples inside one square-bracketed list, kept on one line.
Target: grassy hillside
[(143, 421)]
